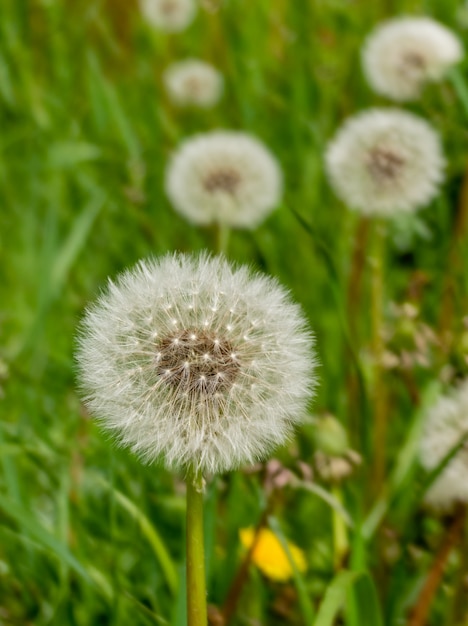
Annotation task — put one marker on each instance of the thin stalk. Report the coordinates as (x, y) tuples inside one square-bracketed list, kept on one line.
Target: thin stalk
[(378, 390), (196, 584), (421, 610), (222, 242)]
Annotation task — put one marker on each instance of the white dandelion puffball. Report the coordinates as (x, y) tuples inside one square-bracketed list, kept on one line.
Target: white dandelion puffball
[(227, 177), (196, 362), (446, 425), (403, 54), (169, 15), (385, 161), (193, 82)]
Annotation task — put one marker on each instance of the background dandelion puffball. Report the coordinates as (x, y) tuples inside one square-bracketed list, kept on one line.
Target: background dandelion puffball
[(446, 425), (226, 177), (402, 54), (169, 15), (190, 360), (383, 161), (193, 82)]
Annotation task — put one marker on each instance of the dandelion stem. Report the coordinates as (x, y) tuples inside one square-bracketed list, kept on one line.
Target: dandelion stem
[(223, 239), (378, 396), (196, 584)]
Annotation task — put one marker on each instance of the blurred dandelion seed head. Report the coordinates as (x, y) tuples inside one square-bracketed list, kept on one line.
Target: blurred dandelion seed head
[(169, 15), (226, 177), (403, 54), (193, 361), (193, 82), (385, 161), (446, 425), (269, 555)]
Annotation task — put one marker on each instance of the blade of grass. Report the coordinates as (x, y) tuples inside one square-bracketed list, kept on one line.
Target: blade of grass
[(149, 531), (355, 591)]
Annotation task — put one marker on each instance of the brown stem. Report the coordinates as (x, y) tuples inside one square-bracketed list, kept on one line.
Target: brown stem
[(420, 612), (237, 586), (453, 266)]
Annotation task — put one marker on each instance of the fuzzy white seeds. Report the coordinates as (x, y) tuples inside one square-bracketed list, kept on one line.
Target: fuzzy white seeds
[(226, 177), (195, 393), (168, 15), (446, 425), (385, 161), (403, 54), (193, 82)]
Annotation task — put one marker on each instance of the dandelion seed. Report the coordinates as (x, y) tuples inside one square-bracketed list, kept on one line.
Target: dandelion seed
[(193, 82), (168, 15), (446, 425), (385, 161), (403, 54), (269, 555), (190, 401), (226, 177)]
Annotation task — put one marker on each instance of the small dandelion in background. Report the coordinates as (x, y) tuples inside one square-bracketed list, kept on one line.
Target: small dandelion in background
[(403, 54), (169, 15), (224, 177), (189, 360), (269, 555), (446, 426), (384, 161), (193, 83)]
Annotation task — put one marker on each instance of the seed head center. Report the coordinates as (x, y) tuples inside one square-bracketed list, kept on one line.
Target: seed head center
[(168, 7), (222, 179), (193, 85), (412, 62), (197, 362), (384, 165)]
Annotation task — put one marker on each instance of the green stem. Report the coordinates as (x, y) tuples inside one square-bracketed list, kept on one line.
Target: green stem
[(222, 242), (196, 584), (379, 401)]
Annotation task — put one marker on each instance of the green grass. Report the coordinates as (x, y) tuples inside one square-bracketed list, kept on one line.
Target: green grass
[(90, 536)]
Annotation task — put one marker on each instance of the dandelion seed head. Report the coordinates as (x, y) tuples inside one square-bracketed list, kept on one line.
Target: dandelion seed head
[(169, 15), (169, 362), (226, 177), (446, 425), (401, 55), (385, 161), (193, 82)]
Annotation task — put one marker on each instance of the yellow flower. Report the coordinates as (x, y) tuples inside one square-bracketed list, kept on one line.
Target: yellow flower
[(269, 555)]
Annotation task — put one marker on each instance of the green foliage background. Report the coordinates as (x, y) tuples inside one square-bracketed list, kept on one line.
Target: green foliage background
[(87, 534)]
